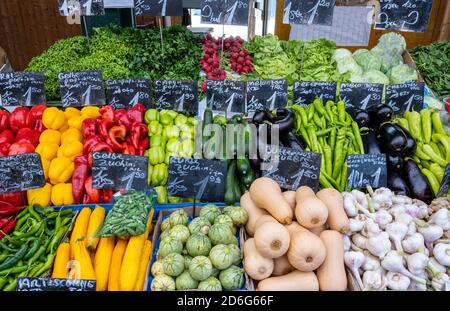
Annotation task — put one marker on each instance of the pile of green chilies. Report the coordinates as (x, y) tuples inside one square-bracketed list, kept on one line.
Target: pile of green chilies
[(328, 129), (30, 249)]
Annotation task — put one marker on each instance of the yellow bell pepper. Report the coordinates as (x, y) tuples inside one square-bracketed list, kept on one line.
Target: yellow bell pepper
[(60, 170), (72, 134), (53, 118), (91, 112), (76, 122), (62, 194), (70, 150), (47, 150), (45, 166), (71, 112), (64, 128), (50, 136), (40, 196)]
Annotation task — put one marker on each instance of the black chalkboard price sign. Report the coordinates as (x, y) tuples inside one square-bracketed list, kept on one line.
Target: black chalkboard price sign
[(158, 7), (119, 171), (306, 92), (408, 96), (366, 170), (226, 96), (83, 88), (21, 172), (197, 178), (266, 94), (81, 7), (177, 95), (227, 12), (319, 12), (361, 95), (445, 184), (403, 15), (124, 94), (54, 285), (294, 169), (22, 89)]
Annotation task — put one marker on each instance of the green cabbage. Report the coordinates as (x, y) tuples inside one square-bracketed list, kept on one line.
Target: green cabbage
[(402, 73), (348, 65), (367, 60), (392, 42), (339, 54), (375, 76)]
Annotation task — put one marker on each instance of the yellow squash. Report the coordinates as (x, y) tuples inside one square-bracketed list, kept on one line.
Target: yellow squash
[(81, 255), (102, 262), (116, 263), (81, 225), (60, 267), (95, 223), (145, 258)]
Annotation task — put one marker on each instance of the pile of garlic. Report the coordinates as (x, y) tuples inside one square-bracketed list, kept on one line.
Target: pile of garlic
[(397, 243)]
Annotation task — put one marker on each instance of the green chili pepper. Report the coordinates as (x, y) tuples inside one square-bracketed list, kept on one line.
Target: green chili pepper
[(13, 270), (348, 119), (33, 213), (358, 138), (36, 267), (328, 159), (343, 180), (318, 103), (434, 157), (432, 180), (415, 125), (33, 249), (312, 138), (11, 286), (47, 265), (23, 213), (318, 121), (22, 220), (425, 116), (56, 238), (330, 180), (341, 111), (324, 181), (323, 132), (333, 138), (3, 281), (36, 228), (36, 255), (329, 111), (437, 171), (403, 123), (311, 112), (444, 140), (339, 157), (14, 259), (420, 153), (302, 112), (437, 123), (436, 149)]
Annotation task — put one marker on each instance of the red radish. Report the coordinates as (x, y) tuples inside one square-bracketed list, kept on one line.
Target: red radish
[(248, 62), (241, 60), (239, 67)]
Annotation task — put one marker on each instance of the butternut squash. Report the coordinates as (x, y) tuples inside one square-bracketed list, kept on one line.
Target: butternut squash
[(281, 266), (81, 255), (61, 265), (95, 223), (289, 196), (266, 194), (303, 192), (102, 262), (272, 239), (331, 274), (254, 212), (294, 281), (256, 266), (306, 251), (310, 212), (263, 219), (337, 218), (317, 230), (295, 227), (143, 265), (116, 263), (80, 228)]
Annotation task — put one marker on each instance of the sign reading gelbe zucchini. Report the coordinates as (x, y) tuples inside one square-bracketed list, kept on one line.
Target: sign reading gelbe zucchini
[(54, 285), (403, 15), (181, 96), (158, 7), (227, 12), (197, 178), (226, 97), (83, 88), (119, 171), (22, 89)]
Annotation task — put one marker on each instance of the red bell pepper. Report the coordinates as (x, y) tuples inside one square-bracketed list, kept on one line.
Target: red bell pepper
[(26, 135), (8, 227), (4, 149), (20, 148), (129, 149), (116, 136), (3, 222), (121, 118), (107, 195), (93, 195), (143, 146), (100, 147), (90, 143), (7, 209), (107, 112), (79, 177), (37, 113), (7, 137), (14, 198), (136, 114), (4, 120), (138, 132), (88, 128), (140, 108), (20, 118)]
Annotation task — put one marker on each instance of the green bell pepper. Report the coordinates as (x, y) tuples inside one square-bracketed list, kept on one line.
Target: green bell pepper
[(171, 131), (156, 155), (166, 120), (158, 141), (171, 113), (161, 193), (186, 148), (173, 145), (181, 119), (151, 115), (174, 200), (150, 173), (155, 128), (160, 175)]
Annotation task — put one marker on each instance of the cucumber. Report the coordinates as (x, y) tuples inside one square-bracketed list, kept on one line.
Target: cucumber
[(230, 196), (248, 178), (237, 189), (243, 166)]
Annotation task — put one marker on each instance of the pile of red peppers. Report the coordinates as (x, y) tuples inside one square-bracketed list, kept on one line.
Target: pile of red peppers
[(119, 131)]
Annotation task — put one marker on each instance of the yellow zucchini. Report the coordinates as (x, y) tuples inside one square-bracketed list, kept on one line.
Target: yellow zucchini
[(145, 258), (60, 267), (102, 262), (116, 263), (95, 223)]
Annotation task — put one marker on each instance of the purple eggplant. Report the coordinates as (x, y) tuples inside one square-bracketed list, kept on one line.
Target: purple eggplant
[(410, 143), (417, 182), (392, 137), (397, 184), (370, 141), (380, 114), (394, 162), (362, 118)]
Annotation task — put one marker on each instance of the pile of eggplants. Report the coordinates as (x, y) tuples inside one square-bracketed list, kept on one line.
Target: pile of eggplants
[(380, 135)]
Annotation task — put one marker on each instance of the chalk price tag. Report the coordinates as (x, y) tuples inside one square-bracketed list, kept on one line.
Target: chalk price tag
[(177, 95), (306, 92), (230, 12), (158, 7), (407, 96), (22, 89), (197, 178), (54, 285), (309, 12), (126, 93), (403, 15), (366, 170), (227, 97), (119, 171), (266, 94), (361, 95), (295, 169), (83, 88), (81, 7)]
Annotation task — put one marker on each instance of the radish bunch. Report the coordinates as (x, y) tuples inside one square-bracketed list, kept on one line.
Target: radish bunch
[(241, 62)]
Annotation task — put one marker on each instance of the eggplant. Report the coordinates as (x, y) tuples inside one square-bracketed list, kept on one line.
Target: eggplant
[(255, 164), (370, 141), (361, 117), (260, 116), (411, 145), (295, 143), (417, 182), (392, 137), (394, 162), (380, 114), (284, 118), (397, 184)]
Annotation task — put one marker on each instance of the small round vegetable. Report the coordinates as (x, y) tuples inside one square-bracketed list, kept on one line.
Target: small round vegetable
[(221, 234), (180, 232), (173, 264), (215, 272), (185, 281), (165, 225), (225, 220), (163, 282), (168, 246), (199, 224), (164, 234), (187, 261), (222, 256), (237, 254), (210, 212), (198, 245), (238, 215), (157, 268), (211, 284), (179, 217), (200, 268), (232, 278)]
